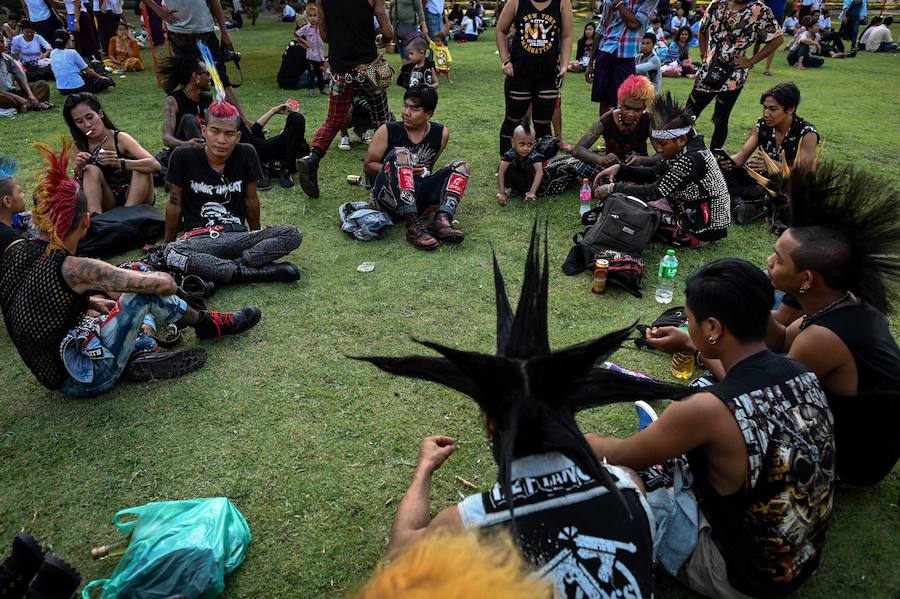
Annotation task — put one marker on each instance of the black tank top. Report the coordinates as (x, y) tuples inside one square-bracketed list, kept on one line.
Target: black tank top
[(39, 307), (772, 531), (351, 34), (425, 152), (188, 106), (535, 50), (865, 426), (576, 532)]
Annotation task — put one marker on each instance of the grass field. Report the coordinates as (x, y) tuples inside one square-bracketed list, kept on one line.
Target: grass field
[(316, 449)]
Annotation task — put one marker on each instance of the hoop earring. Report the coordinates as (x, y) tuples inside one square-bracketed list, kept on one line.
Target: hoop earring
[(712, 341)]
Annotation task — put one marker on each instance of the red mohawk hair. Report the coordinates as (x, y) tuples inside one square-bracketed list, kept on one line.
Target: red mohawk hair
[(58, 193), (221, 109), (638, 88)]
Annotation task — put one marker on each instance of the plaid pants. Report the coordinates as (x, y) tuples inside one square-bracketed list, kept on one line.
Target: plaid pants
[(340, 98)]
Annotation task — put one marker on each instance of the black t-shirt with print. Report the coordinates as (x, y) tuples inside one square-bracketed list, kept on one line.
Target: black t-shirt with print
[(210, 198), (411, 75)]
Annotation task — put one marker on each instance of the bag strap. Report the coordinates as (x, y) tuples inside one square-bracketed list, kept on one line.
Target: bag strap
[(86, 591)]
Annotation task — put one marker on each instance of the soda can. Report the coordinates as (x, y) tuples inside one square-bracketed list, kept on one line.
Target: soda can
[(601, 272), (354, 179)]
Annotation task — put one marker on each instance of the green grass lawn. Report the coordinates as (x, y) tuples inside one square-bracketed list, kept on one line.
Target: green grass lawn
[(316, 449)]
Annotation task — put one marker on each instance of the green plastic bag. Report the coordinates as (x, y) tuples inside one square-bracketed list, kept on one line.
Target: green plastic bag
[(185, 547)]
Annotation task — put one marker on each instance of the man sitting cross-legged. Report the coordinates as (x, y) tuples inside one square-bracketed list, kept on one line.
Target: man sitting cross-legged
[(401, 158), (212, 192), (54, 322), (759, 444), (783, 135), (583, 523)]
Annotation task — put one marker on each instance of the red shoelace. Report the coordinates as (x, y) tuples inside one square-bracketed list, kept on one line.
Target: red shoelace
[(221, 319)]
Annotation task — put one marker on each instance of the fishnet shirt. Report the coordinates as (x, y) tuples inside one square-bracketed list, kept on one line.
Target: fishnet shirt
[(39, 307)]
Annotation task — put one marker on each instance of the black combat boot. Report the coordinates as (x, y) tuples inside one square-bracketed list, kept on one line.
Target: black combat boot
[(21, 566)]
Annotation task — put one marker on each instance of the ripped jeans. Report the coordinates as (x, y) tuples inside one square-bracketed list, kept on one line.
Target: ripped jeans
[(117, 335), (398, 193)]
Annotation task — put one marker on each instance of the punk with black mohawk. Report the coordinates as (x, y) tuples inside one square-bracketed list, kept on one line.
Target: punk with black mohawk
[(552, 487), (840, 260)]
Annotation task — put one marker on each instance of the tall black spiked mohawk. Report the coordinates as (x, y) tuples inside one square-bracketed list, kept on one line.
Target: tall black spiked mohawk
[(667, 114), (530, 393), (863, 208)]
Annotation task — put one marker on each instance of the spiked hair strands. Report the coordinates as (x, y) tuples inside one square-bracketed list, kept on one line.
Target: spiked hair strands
[(847, 223), (62, 201), (529, 392), (223, 111), (636, 87), (210, 62), (668, 119)]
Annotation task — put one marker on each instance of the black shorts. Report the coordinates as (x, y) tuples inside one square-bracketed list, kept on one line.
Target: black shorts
[(186, 43), (610, 72)]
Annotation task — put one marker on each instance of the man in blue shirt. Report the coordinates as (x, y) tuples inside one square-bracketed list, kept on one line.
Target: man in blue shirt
[(612, 56)]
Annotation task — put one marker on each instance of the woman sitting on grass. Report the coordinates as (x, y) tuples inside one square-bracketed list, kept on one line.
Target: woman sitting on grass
[(583, 50), (72, 74), (680, 64), (114, 169), (123, 50)]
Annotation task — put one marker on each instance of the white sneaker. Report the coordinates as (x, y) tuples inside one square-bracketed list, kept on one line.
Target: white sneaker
[(345, 143)]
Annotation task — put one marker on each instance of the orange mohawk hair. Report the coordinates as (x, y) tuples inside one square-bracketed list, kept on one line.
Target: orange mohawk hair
[(58, 193), (457, 566)]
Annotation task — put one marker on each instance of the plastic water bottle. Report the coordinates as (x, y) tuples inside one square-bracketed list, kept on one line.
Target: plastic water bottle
[(668, 268), (585, 196)]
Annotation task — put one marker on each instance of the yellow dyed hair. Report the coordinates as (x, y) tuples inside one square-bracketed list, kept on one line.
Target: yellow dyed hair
[(457, 566)]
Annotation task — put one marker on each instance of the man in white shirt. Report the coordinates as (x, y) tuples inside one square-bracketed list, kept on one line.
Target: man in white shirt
[(879, 39)]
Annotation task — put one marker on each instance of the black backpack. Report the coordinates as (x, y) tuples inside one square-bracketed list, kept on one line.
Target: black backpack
[(625, 224)]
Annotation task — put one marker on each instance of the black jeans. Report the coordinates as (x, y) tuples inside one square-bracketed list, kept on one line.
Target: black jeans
[(287, 146), (524, 91), (698, 100)]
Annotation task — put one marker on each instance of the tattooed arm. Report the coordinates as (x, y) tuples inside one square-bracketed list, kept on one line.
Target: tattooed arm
[(583, 151), (387, 32), (173, 213), (87, 274), (170, 110)]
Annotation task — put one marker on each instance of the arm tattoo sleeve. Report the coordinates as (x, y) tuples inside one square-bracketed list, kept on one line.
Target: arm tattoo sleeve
[(87, 274), (583, 147)]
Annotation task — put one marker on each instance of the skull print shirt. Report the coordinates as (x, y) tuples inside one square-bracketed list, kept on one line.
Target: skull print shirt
[(772, 531), (208, 197)]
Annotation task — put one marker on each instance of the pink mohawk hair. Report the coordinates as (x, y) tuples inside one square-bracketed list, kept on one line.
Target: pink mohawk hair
[(638, 88)]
